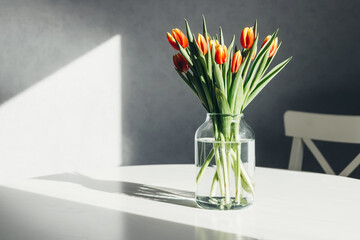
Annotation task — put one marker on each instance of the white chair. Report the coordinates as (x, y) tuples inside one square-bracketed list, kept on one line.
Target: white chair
[(304, 126)]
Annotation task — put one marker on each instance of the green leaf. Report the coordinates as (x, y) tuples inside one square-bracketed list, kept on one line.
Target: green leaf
[(255, 28), (270, 59), (258, 62), (235, 87), (221, 36), (250, 54), (197, 84), (232, 43), (258, 70), (188, 82), (188, 31), (205, 33), (226, 65), (265, 80), (221, 101), (218, 77), (184, 53)]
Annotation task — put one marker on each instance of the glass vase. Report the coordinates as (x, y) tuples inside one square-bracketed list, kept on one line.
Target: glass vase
[(225, 162)]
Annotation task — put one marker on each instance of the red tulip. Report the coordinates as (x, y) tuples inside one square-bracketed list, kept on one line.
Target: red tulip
[(247, 38), (201, 42), (179, 36), (236, 62), (221, 54), (180, 62), (273, 47)]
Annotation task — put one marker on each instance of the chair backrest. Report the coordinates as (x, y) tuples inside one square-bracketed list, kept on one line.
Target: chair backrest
[(304, 126)]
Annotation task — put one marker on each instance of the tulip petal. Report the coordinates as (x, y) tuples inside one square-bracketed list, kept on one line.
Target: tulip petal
[(172, 41)]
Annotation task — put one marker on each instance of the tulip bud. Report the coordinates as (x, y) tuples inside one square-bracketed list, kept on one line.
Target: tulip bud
[(212, 42), (236, 62), (180, 62), (221, 54), (179, 36), (273, 47), (201, 42), (247, 38)]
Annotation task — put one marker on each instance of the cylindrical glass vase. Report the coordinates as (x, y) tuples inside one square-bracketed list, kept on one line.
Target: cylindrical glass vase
[(225, 162)]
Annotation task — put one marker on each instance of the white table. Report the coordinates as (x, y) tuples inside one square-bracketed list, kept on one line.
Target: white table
[(156, 202)]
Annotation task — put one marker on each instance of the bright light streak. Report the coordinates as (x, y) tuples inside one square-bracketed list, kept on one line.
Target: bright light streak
[(68, 121)]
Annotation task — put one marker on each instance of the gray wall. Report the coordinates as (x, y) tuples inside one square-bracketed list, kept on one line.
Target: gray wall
[(160, 114)]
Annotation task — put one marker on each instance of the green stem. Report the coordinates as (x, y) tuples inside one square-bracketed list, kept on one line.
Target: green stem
[(213, 185), (226, 168), (238, 174), (244, 174), (219, 169), (206, 164)]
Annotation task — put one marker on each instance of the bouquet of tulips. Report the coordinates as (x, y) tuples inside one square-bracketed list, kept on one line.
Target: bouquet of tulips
[(226, 80)]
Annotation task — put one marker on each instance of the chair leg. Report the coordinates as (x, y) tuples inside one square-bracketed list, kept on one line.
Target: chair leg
[(296, 155), (351, 167)]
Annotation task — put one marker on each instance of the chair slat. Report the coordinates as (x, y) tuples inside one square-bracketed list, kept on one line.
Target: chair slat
[(325, 127), (351, 167), (319, 157), (304, 126)]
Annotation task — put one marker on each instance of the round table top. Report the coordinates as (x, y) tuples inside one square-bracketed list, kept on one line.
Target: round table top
[(157, 202)]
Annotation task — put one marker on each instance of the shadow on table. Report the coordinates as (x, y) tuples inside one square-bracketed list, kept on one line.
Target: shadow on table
[(160, 194), (26, 215)]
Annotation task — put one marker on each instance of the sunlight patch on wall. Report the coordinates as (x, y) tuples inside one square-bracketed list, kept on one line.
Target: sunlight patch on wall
[(68, 121)]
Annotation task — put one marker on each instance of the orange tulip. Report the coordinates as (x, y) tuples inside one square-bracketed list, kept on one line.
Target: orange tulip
[(236, 62), (221, 54), (179, 36), (247, 38), (201, 42), (180, 62), (273, 47)]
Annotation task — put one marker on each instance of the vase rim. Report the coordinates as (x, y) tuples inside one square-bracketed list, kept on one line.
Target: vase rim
[(224, 114)]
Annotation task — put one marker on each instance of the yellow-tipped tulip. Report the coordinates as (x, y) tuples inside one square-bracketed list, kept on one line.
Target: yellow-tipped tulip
[(221, 54), (201, 42), (273, 47), (247, 38), (179, 36), (236, 62), (214, 42)]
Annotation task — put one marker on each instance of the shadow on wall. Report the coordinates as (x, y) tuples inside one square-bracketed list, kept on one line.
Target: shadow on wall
[(68, 120)]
